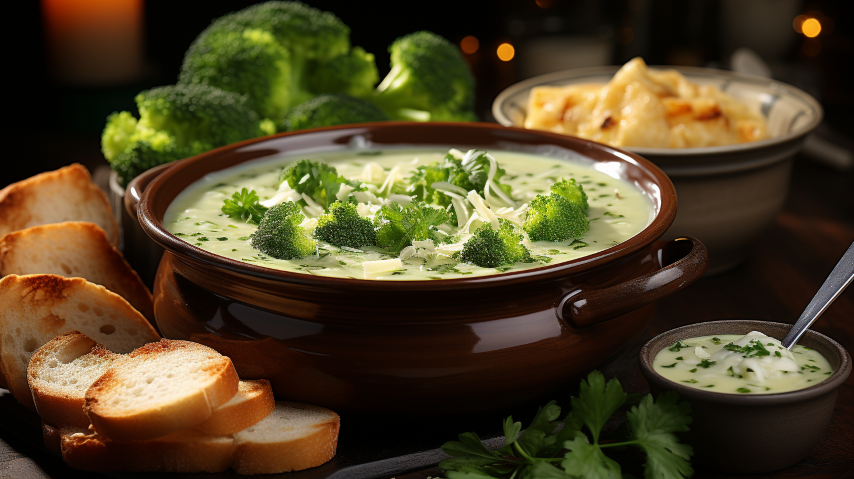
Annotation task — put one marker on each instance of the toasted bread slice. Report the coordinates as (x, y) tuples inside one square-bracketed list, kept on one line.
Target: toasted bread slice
[(59, 374), (293, 437), (184, 451), (74, 249), (253, 402), (159, 389), (37, 308), (66, 194)]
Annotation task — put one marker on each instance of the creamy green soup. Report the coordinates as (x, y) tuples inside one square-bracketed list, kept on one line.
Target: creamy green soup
[(749, 364), (618, 211)]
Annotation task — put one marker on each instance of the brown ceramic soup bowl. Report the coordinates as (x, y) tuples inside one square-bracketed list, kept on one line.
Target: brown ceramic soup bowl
[(435, 346)]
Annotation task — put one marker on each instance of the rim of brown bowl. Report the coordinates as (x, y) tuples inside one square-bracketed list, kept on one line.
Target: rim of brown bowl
[(152, 225), (656, 344), (712, 73)]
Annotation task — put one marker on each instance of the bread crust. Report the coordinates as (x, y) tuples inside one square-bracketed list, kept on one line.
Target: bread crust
[(310, 448), (36, 308), (63, 406), (56, 196), (184, 451), (152, 418), (74, 249), (253, 402)]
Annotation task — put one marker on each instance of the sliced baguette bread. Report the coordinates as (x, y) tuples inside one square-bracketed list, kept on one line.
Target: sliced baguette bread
[(161, 388), (253, 402), (37, 308), (66, 194), (74, 249), (293, 437), (59, 374)]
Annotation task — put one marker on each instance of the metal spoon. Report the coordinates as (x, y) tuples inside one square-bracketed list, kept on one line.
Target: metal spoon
[(839, 278)]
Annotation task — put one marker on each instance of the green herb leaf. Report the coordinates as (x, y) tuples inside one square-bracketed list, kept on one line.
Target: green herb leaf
[(597, 402), (244, 205), (653, 425), (588, 461), (706, 363), (677, 347)]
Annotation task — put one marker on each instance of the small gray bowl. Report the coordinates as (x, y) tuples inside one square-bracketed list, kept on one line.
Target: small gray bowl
[(752, 433)]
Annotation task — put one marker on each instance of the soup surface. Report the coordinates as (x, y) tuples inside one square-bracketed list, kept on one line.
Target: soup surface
[(618, 211), (749, 364)]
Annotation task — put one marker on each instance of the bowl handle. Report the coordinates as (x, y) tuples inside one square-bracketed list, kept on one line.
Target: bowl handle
[(133, 193), (685, 260)]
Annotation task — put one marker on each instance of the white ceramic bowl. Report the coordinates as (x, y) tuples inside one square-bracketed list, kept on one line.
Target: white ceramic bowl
[(727, 194)]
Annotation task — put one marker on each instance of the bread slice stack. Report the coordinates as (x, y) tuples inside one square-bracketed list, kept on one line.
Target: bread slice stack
[(171, 406)]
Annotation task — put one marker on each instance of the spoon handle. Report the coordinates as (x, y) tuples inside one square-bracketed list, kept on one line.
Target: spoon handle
[(839, 278)]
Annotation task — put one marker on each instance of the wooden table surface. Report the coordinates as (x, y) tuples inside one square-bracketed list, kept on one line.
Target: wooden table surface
[(785, 268)]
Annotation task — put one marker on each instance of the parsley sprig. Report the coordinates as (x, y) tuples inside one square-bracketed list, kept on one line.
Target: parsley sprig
[(536, 452), (244, 205)]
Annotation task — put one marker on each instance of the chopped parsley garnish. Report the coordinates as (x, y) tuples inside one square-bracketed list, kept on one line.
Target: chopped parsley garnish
[(690, 381), (693, 370), (202, 238), (777, 353), (679, 358), (670, 366), (222, 238), (753, 348), (706, 363), (743, 390), (716, 340), (612, 215), (578, 244), (677, 347)]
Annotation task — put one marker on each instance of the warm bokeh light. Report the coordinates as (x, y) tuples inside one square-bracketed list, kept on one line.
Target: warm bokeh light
[(798, 22), (811, 27), (505, 52), (544, 3), (469, 45)]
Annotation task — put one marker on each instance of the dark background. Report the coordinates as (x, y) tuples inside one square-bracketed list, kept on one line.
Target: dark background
[(55, 122)]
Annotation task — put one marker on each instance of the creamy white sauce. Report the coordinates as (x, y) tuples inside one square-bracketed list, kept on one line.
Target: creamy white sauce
[(618, 211), (749, 364)]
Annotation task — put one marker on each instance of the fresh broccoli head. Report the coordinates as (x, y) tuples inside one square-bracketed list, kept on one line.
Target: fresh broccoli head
[(250, 62), (554, 218), (308, 33), (489, 248), (142, 155), (429, 81), (398, 226), (318, 181), (353, 74), (268, 51), (176, 122), (280, 234), (329, 110), (343, 226), (573, 192)]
